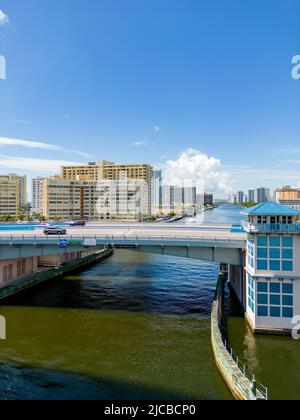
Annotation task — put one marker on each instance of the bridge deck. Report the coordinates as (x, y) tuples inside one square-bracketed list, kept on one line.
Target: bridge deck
[(210, 244), (222, 233)]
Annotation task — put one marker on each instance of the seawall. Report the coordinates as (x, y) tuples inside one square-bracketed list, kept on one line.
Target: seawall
[(242, 385)]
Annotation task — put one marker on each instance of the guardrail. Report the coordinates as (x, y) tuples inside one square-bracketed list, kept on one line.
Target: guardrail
[(113, 238), (241, 382), (271, 228)]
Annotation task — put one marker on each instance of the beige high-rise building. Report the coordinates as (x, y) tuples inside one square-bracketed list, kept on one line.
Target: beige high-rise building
[(93, 171), (65, 199), (100, 190), (13, 194), (288, 196), (287, 193), (97, 171)]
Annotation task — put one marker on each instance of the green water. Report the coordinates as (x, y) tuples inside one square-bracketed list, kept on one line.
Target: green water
[(275, 360), (132, 327)]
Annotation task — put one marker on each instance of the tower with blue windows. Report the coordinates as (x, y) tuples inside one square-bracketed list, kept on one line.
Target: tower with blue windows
[(272, 267)]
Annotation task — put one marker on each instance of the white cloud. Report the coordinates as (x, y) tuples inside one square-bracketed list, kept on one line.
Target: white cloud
[(43, 166), (195, 167), (287, 151), (5, 141), (4, 19), (156, 129), (23, 122), (139, 143)]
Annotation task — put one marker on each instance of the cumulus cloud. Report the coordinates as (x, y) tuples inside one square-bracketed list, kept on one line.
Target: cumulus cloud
[(195, 167), (4, 19), (5, 141)]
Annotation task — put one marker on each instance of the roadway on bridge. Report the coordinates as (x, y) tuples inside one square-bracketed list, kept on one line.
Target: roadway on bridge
[(222, 232)]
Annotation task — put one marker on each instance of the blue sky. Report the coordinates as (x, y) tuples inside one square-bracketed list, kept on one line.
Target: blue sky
[(144, 80)]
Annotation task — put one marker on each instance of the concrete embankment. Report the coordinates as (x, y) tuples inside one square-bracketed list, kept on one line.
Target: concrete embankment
[(242, 385), (63, 269)]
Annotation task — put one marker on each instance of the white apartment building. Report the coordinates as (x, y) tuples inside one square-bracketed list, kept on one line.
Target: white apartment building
[(37, 194)]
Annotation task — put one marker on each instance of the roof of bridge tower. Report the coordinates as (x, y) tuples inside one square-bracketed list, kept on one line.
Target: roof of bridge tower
[(270, 208)]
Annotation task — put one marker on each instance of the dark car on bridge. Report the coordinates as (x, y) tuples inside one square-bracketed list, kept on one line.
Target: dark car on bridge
[(78, 223), (52, 230)]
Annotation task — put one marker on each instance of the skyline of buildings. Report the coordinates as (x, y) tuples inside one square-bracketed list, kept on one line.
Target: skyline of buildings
[(258, 195), (109, 191)]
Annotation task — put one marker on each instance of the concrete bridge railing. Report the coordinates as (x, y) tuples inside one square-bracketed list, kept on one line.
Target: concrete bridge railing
[(126, 238)]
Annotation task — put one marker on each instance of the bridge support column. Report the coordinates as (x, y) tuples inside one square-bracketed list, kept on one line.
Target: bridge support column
[(16, 269), (237, 283)]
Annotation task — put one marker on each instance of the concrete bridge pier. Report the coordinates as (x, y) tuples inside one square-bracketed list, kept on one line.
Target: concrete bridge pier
[(12, 270), (237, 283)]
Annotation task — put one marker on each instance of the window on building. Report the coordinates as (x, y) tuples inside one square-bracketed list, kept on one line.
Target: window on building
[(262, 264), (262, 241), (288, 288), (287, 312), (251, 293), (275, 265), (262, 287), (275, 299), (275, 311), (287, 266), (275, 287), (251, 253), (274, 241), (275, 253), (287, 254), (262, 299), (262, 253), (262, 311), (287, 242)]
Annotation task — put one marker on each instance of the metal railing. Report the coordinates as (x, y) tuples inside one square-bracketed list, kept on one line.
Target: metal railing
[(271, 228), (240, 377), (124, 238)]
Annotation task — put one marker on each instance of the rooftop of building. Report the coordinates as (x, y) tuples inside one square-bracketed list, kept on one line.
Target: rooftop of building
[(270, 208)]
